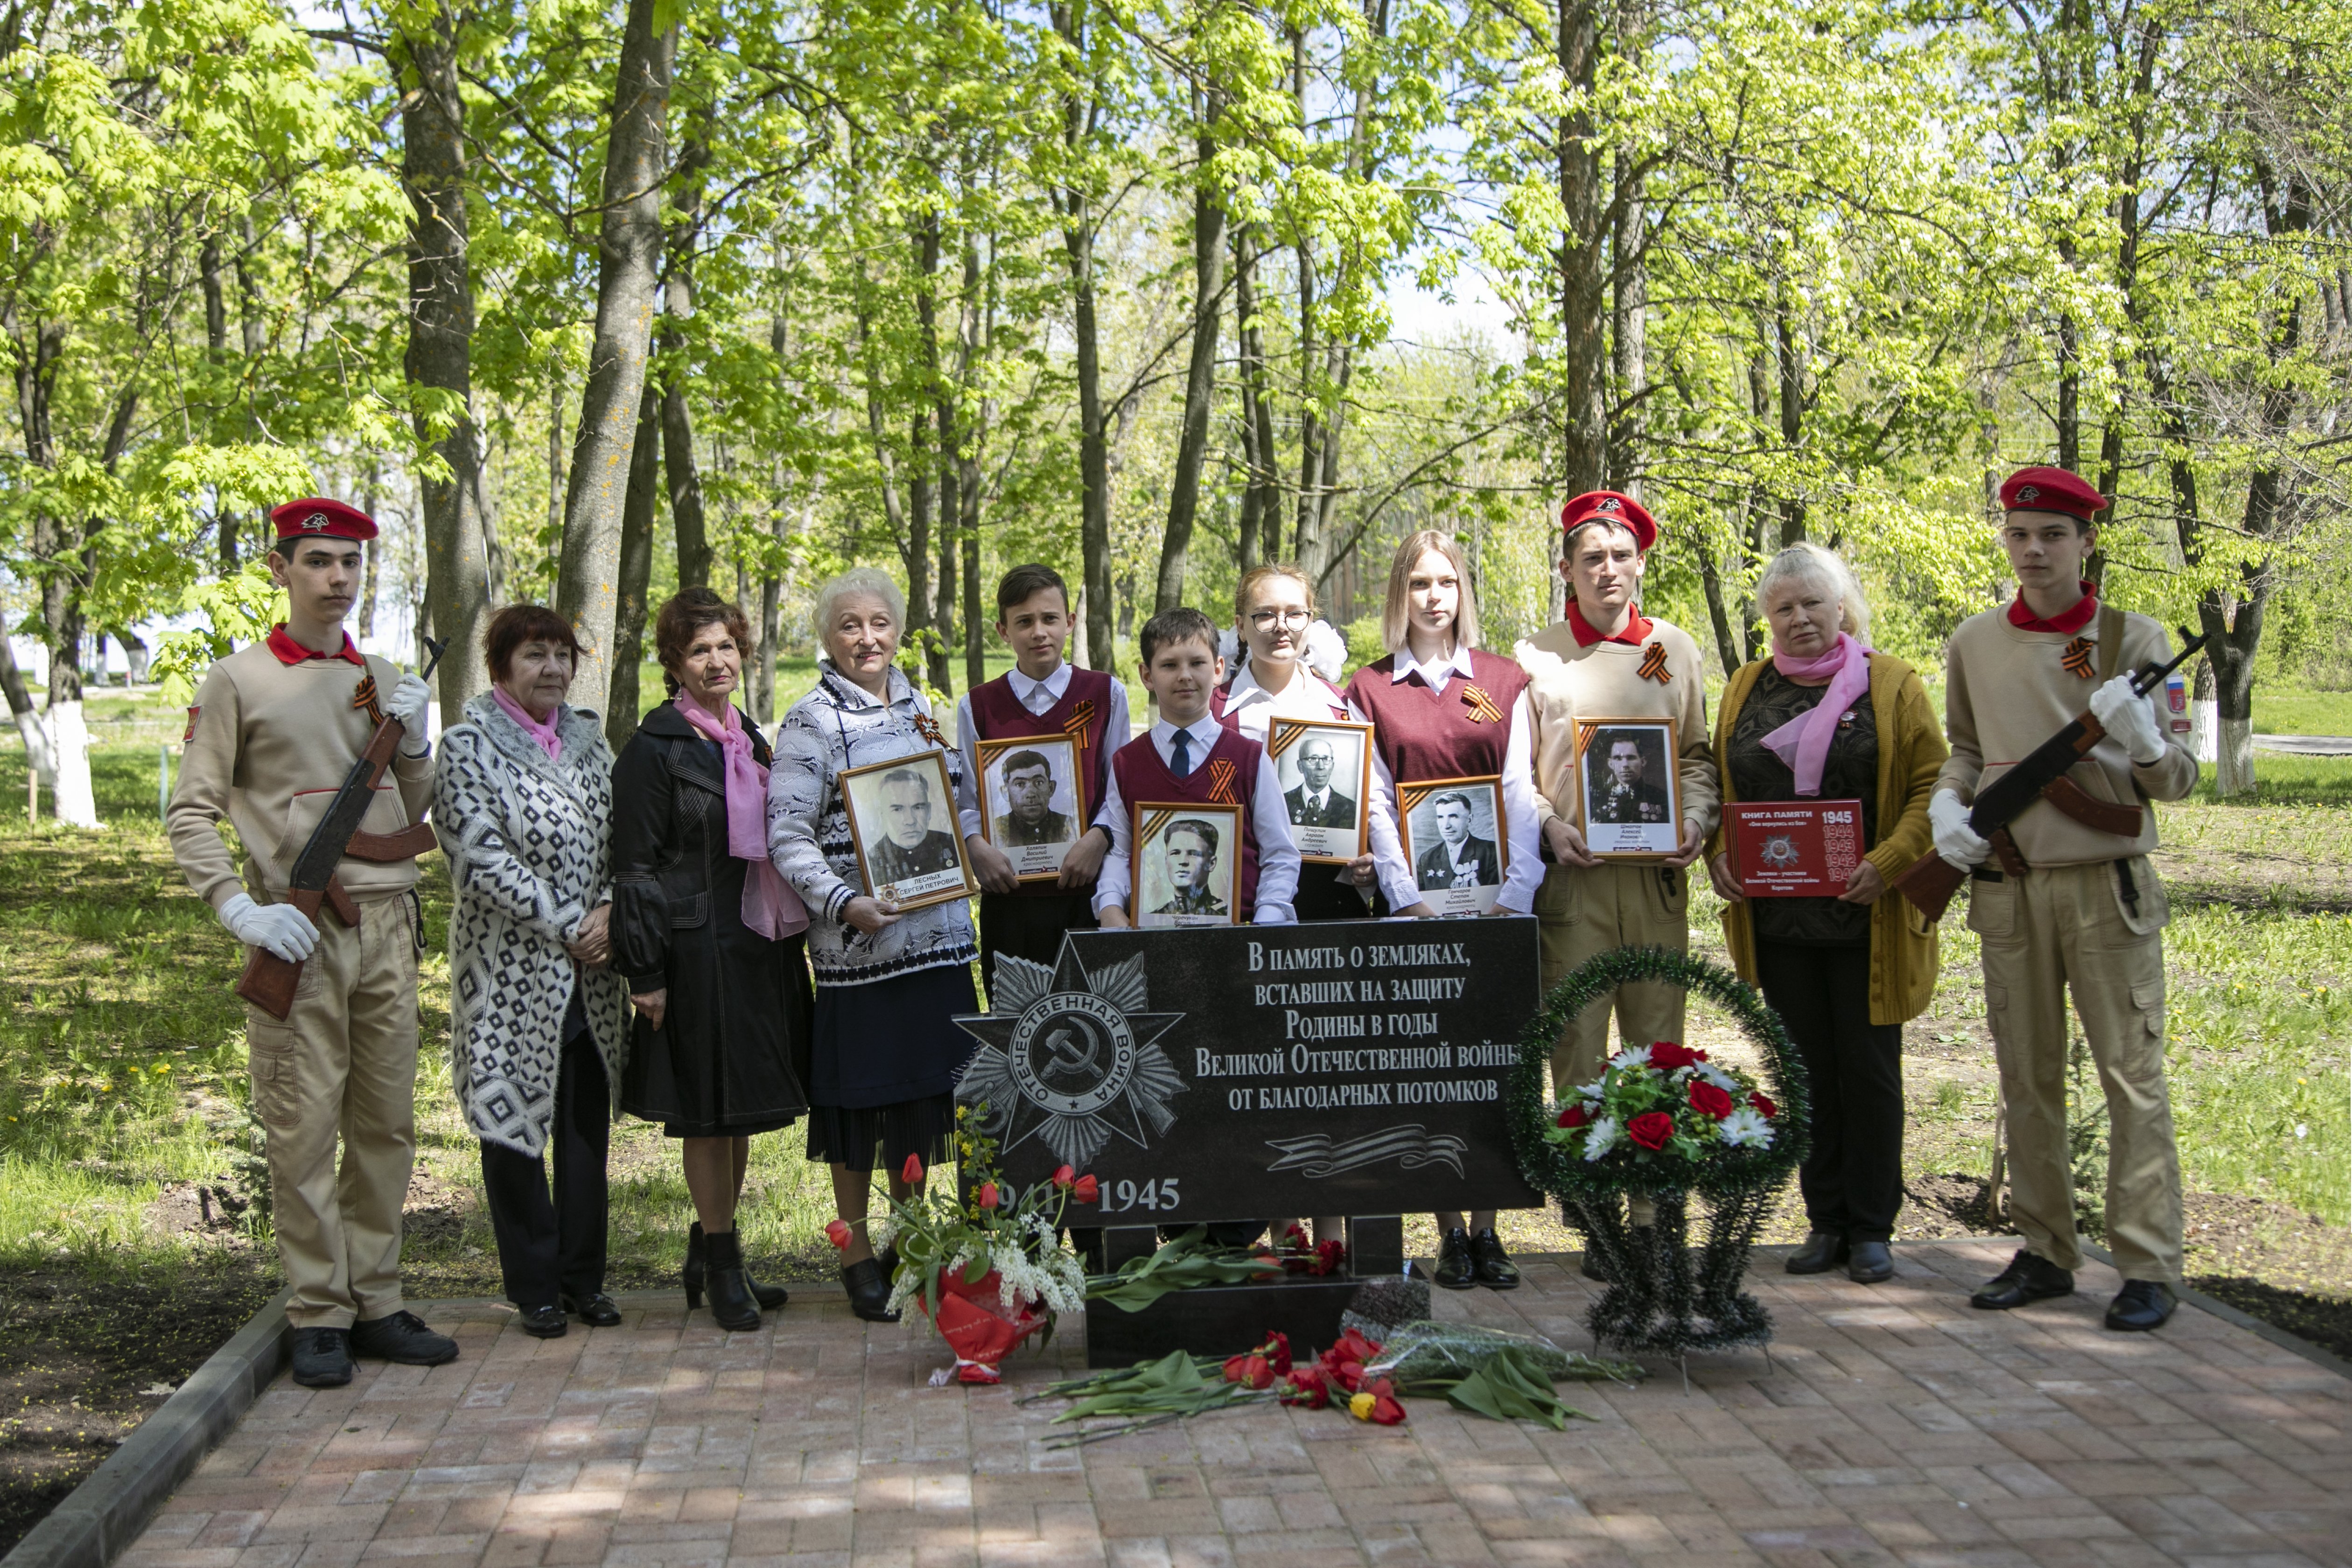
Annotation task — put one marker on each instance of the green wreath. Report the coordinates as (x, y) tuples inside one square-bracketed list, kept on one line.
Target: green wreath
[(1727, 1172), (1664, 1294)]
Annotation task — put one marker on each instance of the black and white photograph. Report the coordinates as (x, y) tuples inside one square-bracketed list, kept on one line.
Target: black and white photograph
[(1629, 787), (1454, 838), (902, 816), (1187, 865), (1324, 768), (1032, 802)]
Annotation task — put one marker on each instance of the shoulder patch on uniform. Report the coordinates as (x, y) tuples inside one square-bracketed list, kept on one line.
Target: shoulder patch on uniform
[(189, 733)]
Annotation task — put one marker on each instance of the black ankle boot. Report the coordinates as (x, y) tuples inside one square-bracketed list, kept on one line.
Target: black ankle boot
[(769, 1296), (731, 1296), (869, 1291)]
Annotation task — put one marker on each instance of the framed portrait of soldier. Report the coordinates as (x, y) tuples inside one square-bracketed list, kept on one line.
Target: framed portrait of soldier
[(1629, 791), (1455, 842), (902, 819), (1032, 802), (1187, 865), (1325, 767)]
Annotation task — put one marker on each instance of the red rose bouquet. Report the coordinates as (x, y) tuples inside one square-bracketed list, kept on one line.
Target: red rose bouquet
[(1664, 1102)]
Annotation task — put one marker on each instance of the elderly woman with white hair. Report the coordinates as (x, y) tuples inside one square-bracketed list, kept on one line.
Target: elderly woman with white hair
[(889, 984), (1827, 717)]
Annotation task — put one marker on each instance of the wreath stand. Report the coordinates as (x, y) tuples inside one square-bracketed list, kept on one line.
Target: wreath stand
[(1665, 1297)]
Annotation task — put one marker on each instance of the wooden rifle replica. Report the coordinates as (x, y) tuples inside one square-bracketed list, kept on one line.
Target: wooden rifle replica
[(1932, 881), (268, 980)]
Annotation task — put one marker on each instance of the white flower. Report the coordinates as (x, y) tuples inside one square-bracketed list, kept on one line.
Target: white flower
[(1717, 1076), (1745, 1126), (1599, 1137), (1627, 1060), (1591, 1093)]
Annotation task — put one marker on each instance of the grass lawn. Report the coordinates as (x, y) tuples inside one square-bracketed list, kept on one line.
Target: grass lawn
[(128, 1160), (2288, 710)]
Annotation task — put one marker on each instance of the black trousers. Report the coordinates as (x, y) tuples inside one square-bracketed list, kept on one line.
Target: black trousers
[(555, 1245), (1853, 1181), (1030, 926)]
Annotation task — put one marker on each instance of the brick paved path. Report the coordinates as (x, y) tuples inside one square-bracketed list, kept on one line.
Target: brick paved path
[(1899, 1428)]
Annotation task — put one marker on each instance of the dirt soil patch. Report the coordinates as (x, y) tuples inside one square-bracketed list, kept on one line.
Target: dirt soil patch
[(82, 1361)]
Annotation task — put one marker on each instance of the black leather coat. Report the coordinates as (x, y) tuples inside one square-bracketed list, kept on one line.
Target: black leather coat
[(731, 1055)]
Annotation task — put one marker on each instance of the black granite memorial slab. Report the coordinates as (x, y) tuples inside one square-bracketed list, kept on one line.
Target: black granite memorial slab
[(1217, 1074)]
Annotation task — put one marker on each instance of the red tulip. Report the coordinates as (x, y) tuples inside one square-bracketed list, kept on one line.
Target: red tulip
[(988, 1195), (1385, 1411), (1249, 1370), (1307, 1386), (1764, 1107), (1710, 1101), (838, 1234), (1574, 1116), (912, 1171), (1085, 1190), (1063, 1176)]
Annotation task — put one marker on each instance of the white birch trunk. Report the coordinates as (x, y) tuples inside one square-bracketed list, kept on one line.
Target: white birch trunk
[(2234, 770), (77, 806), (2204, 723)]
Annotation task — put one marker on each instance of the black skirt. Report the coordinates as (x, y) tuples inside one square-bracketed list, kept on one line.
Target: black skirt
[(884, 1065)]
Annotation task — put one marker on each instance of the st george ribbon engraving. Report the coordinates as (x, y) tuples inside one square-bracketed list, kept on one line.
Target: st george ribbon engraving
[(1231, 1073)]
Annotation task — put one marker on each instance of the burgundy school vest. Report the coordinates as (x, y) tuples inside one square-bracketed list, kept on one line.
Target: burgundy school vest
[(1460, 732), (1083, 713), (1143, 776)]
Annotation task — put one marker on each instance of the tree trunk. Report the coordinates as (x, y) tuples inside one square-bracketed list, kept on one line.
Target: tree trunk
[(1583, 304), (678, 467), (636, 563), (1719, 613), (1791, 357), (373, 573), (1200, 373), (628, 258), (29, 722), (208, 274), (440, 347), (978, 336), (1073, 204)]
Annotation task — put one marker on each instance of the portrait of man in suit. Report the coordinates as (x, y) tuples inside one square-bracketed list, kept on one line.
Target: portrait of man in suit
[(910, 846), (1619, 790), (1459, 858), (1030, 817), (1188, 849), (1313, 803)]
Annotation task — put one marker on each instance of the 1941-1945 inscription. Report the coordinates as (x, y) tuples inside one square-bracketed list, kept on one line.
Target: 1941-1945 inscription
[(1209, 1074)]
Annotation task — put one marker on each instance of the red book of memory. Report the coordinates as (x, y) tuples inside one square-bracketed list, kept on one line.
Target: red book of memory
[(1794, 849)]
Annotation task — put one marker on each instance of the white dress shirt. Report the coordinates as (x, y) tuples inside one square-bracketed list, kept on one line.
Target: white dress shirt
[(1277, 856), (1525, 873), (1038, 697), (1252, 708)]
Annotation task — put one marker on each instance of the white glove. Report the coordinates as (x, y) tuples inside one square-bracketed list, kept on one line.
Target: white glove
[(284, 929), (2129, 718), (1955, 841), (409, 700)]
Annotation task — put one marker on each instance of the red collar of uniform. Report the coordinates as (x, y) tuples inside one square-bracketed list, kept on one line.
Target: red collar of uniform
[(2071, 621), (288, 651), (1636, 631)]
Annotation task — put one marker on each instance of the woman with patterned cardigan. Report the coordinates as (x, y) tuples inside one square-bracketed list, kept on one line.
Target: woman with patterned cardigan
[(888, 984), (523, 807)]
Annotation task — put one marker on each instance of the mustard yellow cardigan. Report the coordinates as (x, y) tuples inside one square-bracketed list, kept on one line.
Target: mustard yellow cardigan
[(1911, 752)]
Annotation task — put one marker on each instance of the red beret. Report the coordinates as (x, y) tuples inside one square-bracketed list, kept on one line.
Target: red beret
[(314, 515), (1610, 506), (2051, 489)]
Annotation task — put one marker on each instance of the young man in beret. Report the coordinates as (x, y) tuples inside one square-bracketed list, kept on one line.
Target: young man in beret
[(2087, 913), (275, 729), (1608, 660)]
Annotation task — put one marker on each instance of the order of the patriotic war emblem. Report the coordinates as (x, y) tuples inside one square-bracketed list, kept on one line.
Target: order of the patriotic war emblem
[(1070, 1058)]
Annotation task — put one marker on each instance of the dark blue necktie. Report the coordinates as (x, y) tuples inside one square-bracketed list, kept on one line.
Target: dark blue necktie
[(1182, 742)]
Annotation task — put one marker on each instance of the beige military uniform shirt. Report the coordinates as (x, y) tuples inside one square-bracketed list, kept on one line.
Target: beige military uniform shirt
[(267, 746), (1566, 682), (2008, 689)]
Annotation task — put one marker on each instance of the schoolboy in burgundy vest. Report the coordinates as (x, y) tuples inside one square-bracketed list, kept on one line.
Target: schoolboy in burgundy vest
[(1033, 616), (1221, 766)]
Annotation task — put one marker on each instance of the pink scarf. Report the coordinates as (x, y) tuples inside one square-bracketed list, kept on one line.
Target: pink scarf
[(771, 908), (549, 741), (1803, 742)]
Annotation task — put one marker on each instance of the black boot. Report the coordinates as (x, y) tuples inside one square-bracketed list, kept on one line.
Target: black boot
[(769, 1297), (1456, 1271), (1823, 1250), (730, 1294), (869, 1292)]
